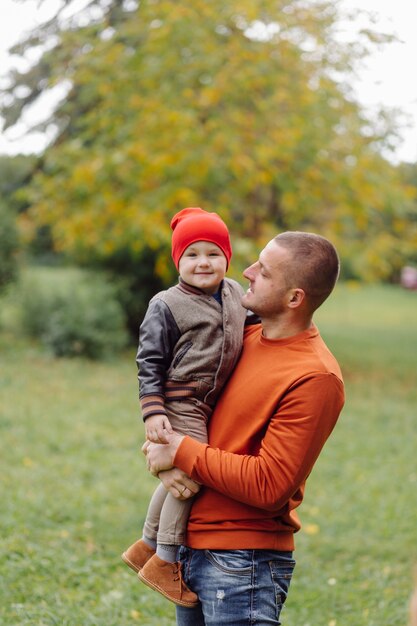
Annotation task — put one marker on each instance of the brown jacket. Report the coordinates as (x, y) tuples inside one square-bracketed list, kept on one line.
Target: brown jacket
[(189, 344)]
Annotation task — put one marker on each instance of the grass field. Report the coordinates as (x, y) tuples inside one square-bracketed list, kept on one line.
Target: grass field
[(74, 488)]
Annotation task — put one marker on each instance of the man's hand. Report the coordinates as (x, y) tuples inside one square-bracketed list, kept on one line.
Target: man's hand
[(157, 427), (179, 484), (160, 457)]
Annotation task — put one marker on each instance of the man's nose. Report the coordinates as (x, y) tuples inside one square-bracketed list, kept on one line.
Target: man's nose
[(248, 272)]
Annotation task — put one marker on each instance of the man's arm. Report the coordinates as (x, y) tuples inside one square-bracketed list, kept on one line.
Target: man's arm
[(293, 440)]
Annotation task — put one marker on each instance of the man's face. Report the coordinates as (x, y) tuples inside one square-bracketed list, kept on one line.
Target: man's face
[(268, 291)]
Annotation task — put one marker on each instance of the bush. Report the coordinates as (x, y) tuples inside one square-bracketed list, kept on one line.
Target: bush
[(73, 312), (8, 247)]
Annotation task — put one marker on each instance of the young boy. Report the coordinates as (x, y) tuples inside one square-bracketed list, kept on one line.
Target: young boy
[(189, 343)]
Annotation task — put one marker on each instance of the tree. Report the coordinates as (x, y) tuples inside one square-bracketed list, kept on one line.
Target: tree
[(235, 106), (14, 172)]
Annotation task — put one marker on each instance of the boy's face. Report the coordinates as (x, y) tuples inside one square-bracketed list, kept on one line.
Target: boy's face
[(203, 265)]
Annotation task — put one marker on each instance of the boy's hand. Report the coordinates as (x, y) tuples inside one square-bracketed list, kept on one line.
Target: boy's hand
[(157, 427), (161, 457)]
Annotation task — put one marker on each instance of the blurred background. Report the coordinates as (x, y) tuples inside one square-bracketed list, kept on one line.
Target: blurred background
[(275, 114)]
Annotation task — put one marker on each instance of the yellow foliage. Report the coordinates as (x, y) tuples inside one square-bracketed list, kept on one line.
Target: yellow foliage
[(193, 112)]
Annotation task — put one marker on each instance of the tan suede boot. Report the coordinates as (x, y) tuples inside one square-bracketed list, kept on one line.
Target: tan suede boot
[(137, 555), (166, 578)]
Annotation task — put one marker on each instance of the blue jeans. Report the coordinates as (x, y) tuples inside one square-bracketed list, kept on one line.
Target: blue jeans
[(236, 587)]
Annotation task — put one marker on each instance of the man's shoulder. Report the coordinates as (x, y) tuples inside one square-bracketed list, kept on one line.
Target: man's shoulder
[(324, 358), (303, 354)]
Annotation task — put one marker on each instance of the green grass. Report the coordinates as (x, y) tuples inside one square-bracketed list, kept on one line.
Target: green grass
[(75, 490)]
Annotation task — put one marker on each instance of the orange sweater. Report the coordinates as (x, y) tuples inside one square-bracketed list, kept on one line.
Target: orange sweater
[(265, 434)]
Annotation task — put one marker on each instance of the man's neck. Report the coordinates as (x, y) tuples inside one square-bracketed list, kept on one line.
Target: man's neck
[(284, 328)]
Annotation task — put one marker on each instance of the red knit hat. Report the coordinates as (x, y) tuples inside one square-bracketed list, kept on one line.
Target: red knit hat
[(193, 224)]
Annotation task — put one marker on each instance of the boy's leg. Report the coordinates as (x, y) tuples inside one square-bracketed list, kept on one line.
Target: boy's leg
[(162, 572), (167, 516), (189, 417), (156, 505), (236, 587), (173, 521), (142, 550)]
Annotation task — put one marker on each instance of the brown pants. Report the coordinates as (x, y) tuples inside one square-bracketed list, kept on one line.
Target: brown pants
[(166, 519)]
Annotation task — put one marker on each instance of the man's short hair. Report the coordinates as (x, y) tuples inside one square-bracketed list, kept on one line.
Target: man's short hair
[(314, 265)]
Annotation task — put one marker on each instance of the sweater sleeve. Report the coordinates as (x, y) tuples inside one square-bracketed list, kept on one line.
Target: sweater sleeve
[(292, 442), (157, 338)]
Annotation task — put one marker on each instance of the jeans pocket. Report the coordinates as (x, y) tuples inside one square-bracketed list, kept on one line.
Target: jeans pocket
[(237, 562), (281, 574)]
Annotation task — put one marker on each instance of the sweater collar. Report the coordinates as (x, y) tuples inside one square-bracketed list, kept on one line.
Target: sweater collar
[(309, 333)]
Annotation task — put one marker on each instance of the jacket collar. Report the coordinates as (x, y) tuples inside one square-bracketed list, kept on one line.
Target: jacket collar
[(186, 288)]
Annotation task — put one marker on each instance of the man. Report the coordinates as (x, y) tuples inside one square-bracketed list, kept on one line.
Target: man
[(267, 430)]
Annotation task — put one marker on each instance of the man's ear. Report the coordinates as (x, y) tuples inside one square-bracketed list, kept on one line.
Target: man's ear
[(297, 297)]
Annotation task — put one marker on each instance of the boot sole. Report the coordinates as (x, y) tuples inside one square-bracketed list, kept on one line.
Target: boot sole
[(155, 587)]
